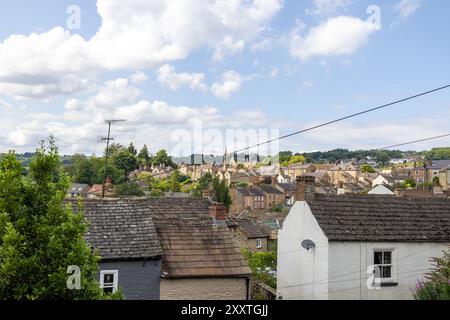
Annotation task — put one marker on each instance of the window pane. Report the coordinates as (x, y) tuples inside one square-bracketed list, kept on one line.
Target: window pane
[(387, 272), (387, 257), (108, 290), (378, 257), (108, 278)]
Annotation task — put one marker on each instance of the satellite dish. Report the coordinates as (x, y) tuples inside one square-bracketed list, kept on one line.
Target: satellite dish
[(308, 244)]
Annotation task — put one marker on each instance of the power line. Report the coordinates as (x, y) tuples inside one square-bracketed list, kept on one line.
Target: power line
[(415, 141), (345, 118)]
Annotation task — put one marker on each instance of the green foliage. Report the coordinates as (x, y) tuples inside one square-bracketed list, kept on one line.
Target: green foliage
[(258, 262), (125, 160), (143, 157), (40, 236), (222, 192), (438, 154), (436, 181), (202, 184), (131, 189), (162, 159), (297, 159), (436, 285), (366, 168), (409, 183), (132, 149)]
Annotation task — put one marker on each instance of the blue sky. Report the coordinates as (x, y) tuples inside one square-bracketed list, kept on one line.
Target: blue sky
[(261, 64)]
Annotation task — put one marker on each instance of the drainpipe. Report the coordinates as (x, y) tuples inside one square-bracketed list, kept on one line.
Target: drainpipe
[(247, 284)]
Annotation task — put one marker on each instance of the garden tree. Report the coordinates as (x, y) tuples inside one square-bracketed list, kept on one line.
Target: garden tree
[(259, 262), (174, 181), (39, 235), (222, 192), (113, 149), (143, 156), (85, 170), (436, 285), (131, 189), (202, 184), (366, 168), (297, 159), (124, 160), (162, 159), (285, 156), (115, 174), (382, 157), (132, 149), (409, 183), (438, 154)]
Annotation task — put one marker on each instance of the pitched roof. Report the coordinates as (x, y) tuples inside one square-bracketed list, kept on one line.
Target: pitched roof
[(120, 229), (287, 186), (382, 218), (251, 229), (192, 245), (78, 188), (269, 189), (440, 164), (251, 191)]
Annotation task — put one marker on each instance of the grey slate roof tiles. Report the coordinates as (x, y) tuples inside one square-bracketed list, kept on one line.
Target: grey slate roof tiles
[(382, 218)]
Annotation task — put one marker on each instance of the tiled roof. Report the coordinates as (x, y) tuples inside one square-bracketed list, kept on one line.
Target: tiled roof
[(192, 246), (287, 186), (250, 192), (251, 229), (382, 218), (269, 189), (120, 229), (440, 164)]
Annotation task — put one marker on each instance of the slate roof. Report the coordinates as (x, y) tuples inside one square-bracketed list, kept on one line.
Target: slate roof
[(440, 164), (178, 229), (269, 189), (251, 229), (382, 218), (192, 246), (78, 188), (250, 192), (287, 186), (121, 229)]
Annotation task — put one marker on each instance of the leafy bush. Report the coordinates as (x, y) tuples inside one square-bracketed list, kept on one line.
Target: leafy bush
[(436, 285)]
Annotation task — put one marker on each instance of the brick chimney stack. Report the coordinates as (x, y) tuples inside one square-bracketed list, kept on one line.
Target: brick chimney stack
[(305, 190), (218, 212), (274, 180)]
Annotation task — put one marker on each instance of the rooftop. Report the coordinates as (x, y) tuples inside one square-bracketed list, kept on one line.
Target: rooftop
[(382, 218)]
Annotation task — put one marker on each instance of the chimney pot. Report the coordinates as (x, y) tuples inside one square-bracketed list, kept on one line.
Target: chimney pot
[(305, 188)]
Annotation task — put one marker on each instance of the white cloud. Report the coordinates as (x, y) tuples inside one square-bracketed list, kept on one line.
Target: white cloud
[(82, 121), (175, 81), (327, 7), (406, 8), (138, 77), (231, 82), (336, 36), (133, 35), (4, 104)]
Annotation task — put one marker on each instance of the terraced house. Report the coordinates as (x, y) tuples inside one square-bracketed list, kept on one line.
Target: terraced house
[(166, 248)]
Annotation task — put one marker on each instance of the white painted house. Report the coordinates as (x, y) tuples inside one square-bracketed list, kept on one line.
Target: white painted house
[(382, 189), (358, 246), (383, 180)]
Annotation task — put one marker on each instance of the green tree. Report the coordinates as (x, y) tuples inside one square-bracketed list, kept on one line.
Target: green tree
[(131, 189), (409, 183), (132, 149), (143, 156), (436, 285), (162, 159), (174, 181), (39, 235), (366, 168), (438, 154), (125, 161), (222, 192), (259, 262)]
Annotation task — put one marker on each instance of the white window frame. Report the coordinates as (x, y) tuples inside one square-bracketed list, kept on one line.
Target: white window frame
[(115, 274), (393, 278), (258, 243)]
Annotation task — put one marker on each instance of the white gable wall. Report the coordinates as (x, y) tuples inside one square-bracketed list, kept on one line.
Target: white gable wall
[(349, 262), (338, 270), (297, 267)]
